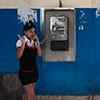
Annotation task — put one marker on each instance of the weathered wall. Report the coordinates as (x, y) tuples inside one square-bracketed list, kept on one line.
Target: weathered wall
[(81, 77), (10, 87), (45, 3)]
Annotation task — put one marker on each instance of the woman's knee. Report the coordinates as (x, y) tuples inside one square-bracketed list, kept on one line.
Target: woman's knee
[(30, 91), (31, 95)]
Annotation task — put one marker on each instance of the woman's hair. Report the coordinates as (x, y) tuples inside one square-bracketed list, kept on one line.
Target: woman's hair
[(28, 26)]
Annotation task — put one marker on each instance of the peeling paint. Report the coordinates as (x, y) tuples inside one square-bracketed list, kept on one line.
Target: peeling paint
[(83, 14), (97, 13), (81, 27), (24, 15), (89, 89), (82, 21), (96, 90)]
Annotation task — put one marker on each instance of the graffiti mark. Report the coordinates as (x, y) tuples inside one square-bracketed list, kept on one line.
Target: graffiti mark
[(97, 13), (81, 27), (83, 14), (82, 21), (24, 15)]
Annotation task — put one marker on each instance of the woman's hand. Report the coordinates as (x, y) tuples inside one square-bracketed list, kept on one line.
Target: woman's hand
[(20, 49), (39, 51), (22, 39), (35, 38)]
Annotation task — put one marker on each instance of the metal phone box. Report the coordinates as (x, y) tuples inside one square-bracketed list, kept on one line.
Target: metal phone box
[(59, 33)]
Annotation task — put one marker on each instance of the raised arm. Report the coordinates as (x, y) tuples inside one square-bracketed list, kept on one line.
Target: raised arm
[(20, 49)]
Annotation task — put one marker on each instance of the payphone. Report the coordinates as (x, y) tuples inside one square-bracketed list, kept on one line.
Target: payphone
[(59, 33)]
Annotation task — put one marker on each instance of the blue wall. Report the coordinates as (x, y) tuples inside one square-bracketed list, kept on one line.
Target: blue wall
[(81, 77)]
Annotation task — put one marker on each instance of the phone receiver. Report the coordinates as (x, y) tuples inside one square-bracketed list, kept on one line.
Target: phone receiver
[(33, 36), (34, 39)]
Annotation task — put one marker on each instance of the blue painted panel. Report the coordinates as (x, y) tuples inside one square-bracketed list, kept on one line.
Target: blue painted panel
[(9, 28), (96, 49), (8, 34), (57, 78), (72, 78)]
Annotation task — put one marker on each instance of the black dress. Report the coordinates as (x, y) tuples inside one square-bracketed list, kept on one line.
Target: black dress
[(28, 72)]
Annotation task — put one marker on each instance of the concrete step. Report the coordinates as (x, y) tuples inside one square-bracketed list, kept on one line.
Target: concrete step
[(66, 97)]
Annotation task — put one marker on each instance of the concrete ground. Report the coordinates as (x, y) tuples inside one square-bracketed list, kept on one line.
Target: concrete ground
[(59, 97), (11, 89)]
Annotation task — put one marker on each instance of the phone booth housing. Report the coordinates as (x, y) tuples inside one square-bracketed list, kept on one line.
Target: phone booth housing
[(58, 27)]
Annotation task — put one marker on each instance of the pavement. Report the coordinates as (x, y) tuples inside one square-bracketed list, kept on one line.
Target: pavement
[(66, 97)]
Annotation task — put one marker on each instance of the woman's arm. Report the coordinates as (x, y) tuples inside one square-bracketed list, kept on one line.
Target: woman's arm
[(20, 49), (39, 51)]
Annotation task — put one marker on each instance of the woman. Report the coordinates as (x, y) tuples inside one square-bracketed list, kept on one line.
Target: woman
[(27, 48)]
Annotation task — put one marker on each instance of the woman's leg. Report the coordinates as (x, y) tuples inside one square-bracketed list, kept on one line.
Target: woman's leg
[(29, 92), (34, 84), (26, 96)]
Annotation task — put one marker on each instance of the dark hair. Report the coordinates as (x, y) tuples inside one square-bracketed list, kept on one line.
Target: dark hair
[(28, 26)]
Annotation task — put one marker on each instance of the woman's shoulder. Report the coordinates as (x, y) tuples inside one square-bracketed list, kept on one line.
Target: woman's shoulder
[(18, 43)]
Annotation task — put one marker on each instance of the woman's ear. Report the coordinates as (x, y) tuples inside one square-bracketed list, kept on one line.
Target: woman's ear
[(24, 31)]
